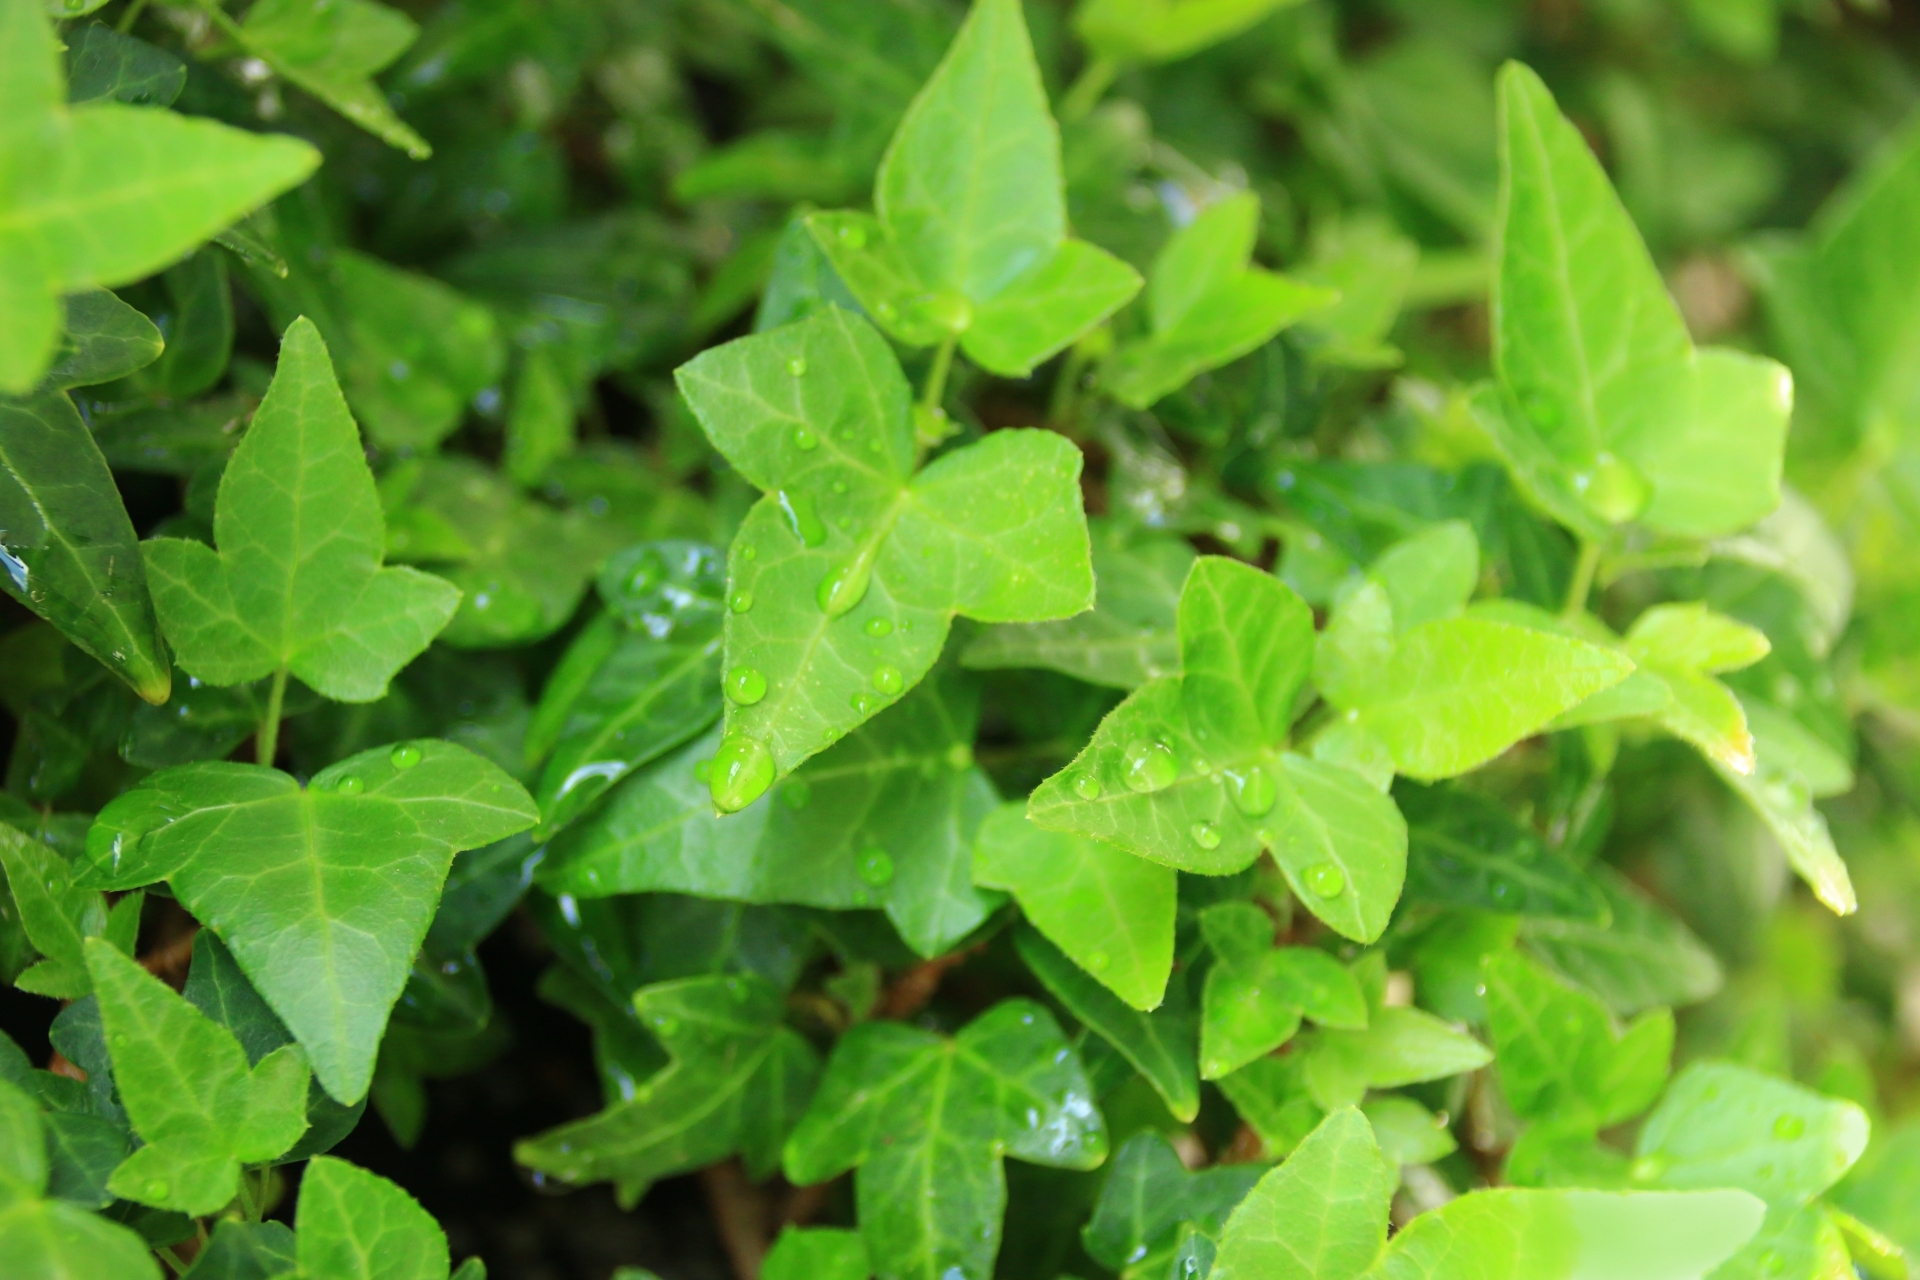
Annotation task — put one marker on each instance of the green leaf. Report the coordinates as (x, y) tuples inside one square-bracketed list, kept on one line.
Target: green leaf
[(1642, 958), (1189, 770), (1256, 994), (1271, 1096), (241, 1250), (1320, 1216), (58, 916), (355, 1225), (1399, 1046), (737, 1081), (103, 194), (1108, 910), (1129, 635), (49, 1239), (1159, 1045), (322, 892), (103, 339), (847, 573), (816, 1253), (926, 1120), (190, 1093), (297, 584), (197, 313), (1465, 851), (332, 52), (635, 682), (970, 243), (1785, 802), (67, 547), (1430, 575), (1562, 1058), (1596, 360), (1208, 306), (540, 417), (105, 64), (1371, 265), (1163, 30), (1407, 1132), (1148, 1194), (1724, 1125)]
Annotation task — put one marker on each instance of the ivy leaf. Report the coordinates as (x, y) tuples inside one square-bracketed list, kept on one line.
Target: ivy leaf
[(58, 916), (1562, 1058), (1595, 359), (637, 681), (970, 241), (1398, 1046), (1129, 635), (241, 1250), (737, 1081), (1159, 1045), (1467, 852), (816, 1253), (847, 573), (1320, 1216), (103, 339), (51, 1239), (116, 193), (324, 892), (333, 51), (190, 1093), (1125, 31), (354, 1225), (1108, 910), (926, 1119), (1207, 305), (105, 64), (1256, 994), (1148, 1194), (297, 585), (1190, 770), (887, 817)]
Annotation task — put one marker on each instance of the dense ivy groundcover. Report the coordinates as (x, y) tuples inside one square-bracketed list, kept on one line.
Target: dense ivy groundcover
[(1253, 639)]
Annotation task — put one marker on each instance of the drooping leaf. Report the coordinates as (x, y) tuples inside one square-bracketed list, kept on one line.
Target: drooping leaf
[(737, 1081), (322, 892), (1163, 30), (297, 584), (846, 575), (925, 1120)]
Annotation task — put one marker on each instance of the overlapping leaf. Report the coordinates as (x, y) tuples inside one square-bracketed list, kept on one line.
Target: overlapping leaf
[(1256, 994), (44, 1238), (57, 915)]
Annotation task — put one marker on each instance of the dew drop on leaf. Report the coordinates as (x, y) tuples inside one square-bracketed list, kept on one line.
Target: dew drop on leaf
[(748, 552), (404, 756), (746, 685), (742, 771), (876, 868), (349, 784), (666, 1024), (157, 1189), (1613, 490), (1326, 880), (1252, 789), (740, 601), (1206, 835), (801, 517), (879, 628), (888, 680), (1087, 787), (843, 588), (862, 703), (1150, 766), (854, 236), (1099, 962), (1788, 1127), (804, 440), (797, 366)]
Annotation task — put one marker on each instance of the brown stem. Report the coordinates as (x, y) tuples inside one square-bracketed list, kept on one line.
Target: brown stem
[(805, 1203), (740, 1212), (169, 960), (909, 993)]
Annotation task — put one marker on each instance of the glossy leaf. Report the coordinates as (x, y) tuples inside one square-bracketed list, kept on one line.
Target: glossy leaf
[(323, 892), (104, 64), (296, 583), (816, 1253), (1641, 957), (1398, 1046)]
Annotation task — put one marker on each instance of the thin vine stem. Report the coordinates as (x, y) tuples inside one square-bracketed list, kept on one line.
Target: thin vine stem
[(1584, 571), (266, 739), (1085, 94)]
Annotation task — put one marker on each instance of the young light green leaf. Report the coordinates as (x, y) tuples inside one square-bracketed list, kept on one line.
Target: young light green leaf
[(1320, 1216), (103, 194), (816, 1253), (970, 243), (333, 52), (355, 1225), (1407, 1132), (886, 817), (1256, 994), (1149, 1194), (1562, 1058), (1596, 360), (297, 584), (1124, 31), (51, 1239), (926, 1120), (1271, 1096), (737, 1081), (1399, 1046), (322, 892), (847, 573), (190, 1093), (1464, 851), (1108, 910), (1207, 305), (1430, 575), (1159, 1045), (1725, 1125), (58, 916)]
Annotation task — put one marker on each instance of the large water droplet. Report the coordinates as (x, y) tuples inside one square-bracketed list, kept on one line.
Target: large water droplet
[(876, 868), (1087, 787), (1613, 490), (1150, 766), (888, 680), (746, 685), (843, 588), (742, 771), (404, 756), (1206, 835), (797, 366), (879, 628), (157, 1188), (1326, 879), (801, 517), (349, 784), (862, 703), (748, 552), (1788, 1127), (740, 601), (1252, 789), (804, 440)]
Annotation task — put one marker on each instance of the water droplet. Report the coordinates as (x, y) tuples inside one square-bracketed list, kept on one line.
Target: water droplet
[(838, 486), (802, 519), (804, 440), (703, 769), (746, 685), (157, 1189), (1326, 880), (748, 552), (666, 1024), (876, 868), (1150, 766), (797, 366), (742, 771), (1087, 787), (853, 235), (1252, 789), (1265, 837), (843, 588), (1788, 1127), (1099, 962), (404, 756), (888, 680), (1207, 836), (861, 897), (862, 703), (947, 309), (879, 628), (830, 735), (349, 784), (797, 793), (740, 601), (1613, 490)]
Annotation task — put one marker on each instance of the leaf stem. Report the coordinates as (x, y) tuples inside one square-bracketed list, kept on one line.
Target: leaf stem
[(128, 17), (172, 1259), (936, 389), (1084, 96), (1064, 406), (266, 739), (1584, 570), (249, 1207)]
